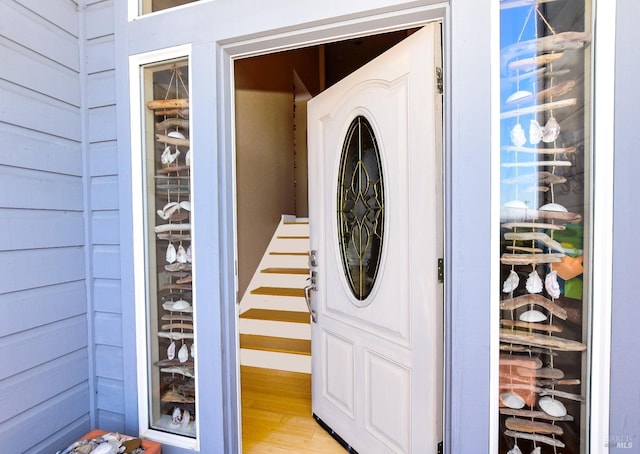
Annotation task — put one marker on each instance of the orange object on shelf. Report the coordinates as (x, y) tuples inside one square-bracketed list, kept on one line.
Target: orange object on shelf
[(150, 447)]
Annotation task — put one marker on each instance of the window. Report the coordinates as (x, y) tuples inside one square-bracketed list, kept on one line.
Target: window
[(545, 160), (169, 305), (360, 207), (150, 6)]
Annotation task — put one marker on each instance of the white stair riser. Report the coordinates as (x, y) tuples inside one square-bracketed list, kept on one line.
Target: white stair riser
[(294, 229), (275, 329), (281, 303), (275, 360), (285, 261), (280, 280), (289, 245)]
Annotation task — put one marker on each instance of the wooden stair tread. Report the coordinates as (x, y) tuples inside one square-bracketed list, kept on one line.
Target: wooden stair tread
[(293, 237), (276, 315), (275, 344), (285, 270), (278, 291), (289, 253), (296, 222)]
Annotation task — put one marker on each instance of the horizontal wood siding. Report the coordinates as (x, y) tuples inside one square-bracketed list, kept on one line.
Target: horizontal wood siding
[(44, 380), (104, 233)]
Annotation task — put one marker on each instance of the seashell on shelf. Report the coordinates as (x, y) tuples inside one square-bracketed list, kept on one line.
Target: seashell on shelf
[(176, 135), (553, 207), (518, 137), (511, 282), (532, 316), (176, 416), (193, 350), (186, 417), (514, 209), (167, 157), (514, 450), (185, 205), (552, 407), (166, 212), (171, 350), (512, 400), (516, 204), (551, 284), (189, 256), (551, 130), (187, 157), (183, 353), (180, 305), (537, 450), (171, 254), (169, 306), (177, 267), (535, 132), (518, 95), (181, 255), (534, 283)]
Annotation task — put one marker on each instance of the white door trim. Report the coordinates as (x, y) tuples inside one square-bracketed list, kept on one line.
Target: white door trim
[(602, 127), (313, 34)]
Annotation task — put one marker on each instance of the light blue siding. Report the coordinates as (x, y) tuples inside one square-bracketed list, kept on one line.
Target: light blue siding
[(109, 362), (110, 421), (37, 229), (44, 76), (62, 15), (105, 226), (100, 54), (102, 123), (28, 149), (109, 395), (44, 380), (42, 305), (48, 426), (107, 295), (42, 383), (101, 90), (38, 32), (103, 213)]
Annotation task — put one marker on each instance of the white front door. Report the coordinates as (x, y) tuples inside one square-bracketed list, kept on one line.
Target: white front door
[(375, 196)]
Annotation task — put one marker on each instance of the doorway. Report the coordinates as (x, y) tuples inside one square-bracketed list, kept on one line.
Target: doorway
[(270, 150)]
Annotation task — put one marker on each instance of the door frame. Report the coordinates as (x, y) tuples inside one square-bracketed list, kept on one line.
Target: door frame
[(311, 35)]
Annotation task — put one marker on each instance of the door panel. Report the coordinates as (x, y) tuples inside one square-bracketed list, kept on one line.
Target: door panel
[(377, 360)]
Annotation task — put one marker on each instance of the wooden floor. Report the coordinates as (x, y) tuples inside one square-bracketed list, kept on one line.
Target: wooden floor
[(276, 414)]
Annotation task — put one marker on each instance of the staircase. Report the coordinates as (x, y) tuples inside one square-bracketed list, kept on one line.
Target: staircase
[(275, 331)]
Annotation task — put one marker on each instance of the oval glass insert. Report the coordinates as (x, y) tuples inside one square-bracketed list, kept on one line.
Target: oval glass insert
[(360, 207)]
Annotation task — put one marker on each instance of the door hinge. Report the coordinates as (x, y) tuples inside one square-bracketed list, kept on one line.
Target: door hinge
[(439, 80), (441, 271), (440, 448)]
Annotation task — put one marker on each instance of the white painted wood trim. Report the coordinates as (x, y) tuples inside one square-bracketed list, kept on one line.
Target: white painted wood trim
[(604, 25), (135, 6), (367, 25), (494, 286), (138, 232)]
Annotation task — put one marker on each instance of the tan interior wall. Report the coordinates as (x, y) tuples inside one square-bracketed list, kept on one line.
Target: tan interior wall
[(264, 173), (264, 149)]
